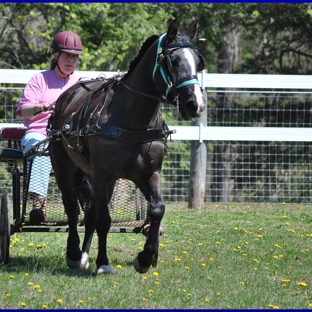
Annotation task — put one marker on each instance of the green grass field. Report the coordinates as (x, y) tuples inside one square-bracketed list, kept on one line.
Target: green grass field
[(236, 256)]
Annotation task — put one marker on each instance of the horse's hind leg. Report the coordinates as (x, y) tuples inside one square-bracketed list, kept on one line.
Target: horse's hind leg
[(102, 192), (84, 192), (149, 255), (64, 170)]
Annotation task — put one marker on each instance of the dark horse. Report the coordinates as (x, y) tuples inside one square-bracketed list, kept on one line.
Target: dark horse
[(112, 129)]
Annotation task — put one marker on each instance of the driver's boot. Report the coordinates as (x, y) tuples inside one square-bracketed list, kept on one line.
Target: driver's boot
[(38, 213)]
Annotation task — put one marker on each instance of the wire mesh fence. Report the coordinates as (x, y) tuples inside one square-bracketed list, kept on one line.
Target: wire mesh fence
[(236, 171)]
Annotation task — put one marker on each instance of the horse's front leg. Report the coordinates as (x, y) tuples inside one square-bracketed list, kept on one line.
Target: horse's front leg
[(149, 255), (73, 252)]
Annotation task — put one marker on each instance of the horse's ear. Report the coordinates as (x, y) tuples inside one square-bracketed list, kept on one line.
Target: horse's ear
[(191, 32), (172, 32)]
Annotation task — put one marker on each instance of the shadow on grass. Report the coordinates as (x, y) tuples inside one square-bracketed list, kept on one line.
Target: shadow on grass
[(52, 266)]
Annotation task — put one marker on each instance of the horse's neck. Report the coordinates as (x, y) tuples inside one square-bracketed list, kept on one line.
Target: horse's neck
[(140, 110)]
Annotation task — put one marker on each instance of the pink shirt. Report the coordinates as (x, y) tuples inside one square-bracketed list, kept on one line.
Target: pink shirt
[(43, 87)]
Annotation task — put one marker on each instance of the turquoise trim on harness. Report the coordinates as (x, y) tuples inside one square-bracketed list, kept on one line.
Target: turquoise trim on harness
[(186, 83)]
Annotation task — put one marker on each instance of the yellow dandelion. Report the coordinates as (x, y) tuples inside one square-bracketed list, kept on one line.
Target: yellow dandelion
[(144, 277), (304, 284), (40, 290), (200, 244), (59, 300), (22, 249), (203, 264), (218, 243), (115, 283), (31, 244), (177, 259), (310, 305), (30, 284), (207, 300), (184, 252), (23, 304), (12, 276), (155, 273), (44, 306), (187, 267), (242, 283), (189, 295), (37, 286), (145, 299), (81, 301), (119, 266), (140, 247), (151, 291), (26, 274)]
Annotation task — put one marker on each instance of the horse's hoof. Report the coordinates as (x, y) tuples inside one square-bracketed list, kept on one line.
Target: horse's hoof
[(103, 269), (138, 268), (73, 264), (84, 262), (146, 229)]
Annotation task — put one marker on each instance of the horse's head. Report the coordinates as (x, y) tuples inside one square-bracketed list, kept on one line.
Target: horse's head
[(178, 62)]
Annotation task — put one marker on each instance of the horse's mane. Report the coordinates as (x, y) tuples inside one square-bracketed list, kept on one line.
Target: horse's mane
[(145, 46)]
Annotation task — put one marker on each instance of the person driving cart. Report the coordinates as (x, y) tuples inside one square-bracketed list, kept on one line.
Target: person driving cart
[(36, 105)]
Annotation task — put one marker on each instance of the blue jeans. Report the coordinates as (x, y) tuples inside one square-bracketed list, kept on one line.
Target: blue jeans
[(41, 167)]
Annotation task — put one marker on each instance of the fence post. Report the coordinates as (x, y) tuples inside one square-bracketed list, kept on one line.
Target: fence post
[(197, 179)]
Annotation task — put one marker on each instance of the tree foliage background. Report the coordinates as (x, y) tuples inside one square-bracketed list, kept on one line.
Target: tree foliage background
[(246, 38)]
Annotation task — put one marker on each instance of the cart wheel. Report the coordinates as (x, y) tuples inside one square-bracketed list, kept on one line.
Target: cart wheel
[(5, 227)]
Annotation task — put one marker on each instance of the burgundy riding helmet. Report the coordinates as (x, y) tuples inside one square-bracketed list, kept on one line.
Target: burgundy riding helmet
[(67, 41)]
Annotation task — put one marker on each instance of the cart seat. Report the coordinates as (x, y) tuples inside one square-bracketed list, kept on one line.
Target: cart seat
[(13, 136), (11, 154)]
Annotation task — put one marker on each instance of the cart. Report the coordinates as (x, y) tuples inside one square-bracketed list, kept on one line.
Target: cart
[(128, 207)]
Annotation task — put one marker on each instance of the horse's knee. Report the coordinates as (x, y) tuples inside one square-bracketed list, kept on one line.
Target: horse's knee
[(157, 210)]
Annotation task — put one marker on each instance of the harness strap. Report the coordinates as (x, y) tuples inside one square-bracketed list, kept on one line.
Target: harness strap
[(129, 136)]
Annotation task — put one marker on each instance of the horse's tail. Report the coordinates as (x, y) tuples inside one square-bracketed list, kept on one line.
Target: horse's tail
[(83, 189)]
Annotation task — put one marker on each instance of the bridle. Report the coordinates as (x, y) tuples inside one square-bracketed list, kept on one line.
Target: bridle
[(163, 58)]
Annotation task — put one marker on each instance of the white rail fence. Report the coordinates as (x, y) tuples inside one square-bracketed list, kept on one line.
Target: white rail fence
[(213, 82)]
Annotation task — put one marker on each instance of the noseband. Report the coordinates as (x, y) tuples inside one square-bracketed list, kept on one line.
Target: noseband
[(163, 57)]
